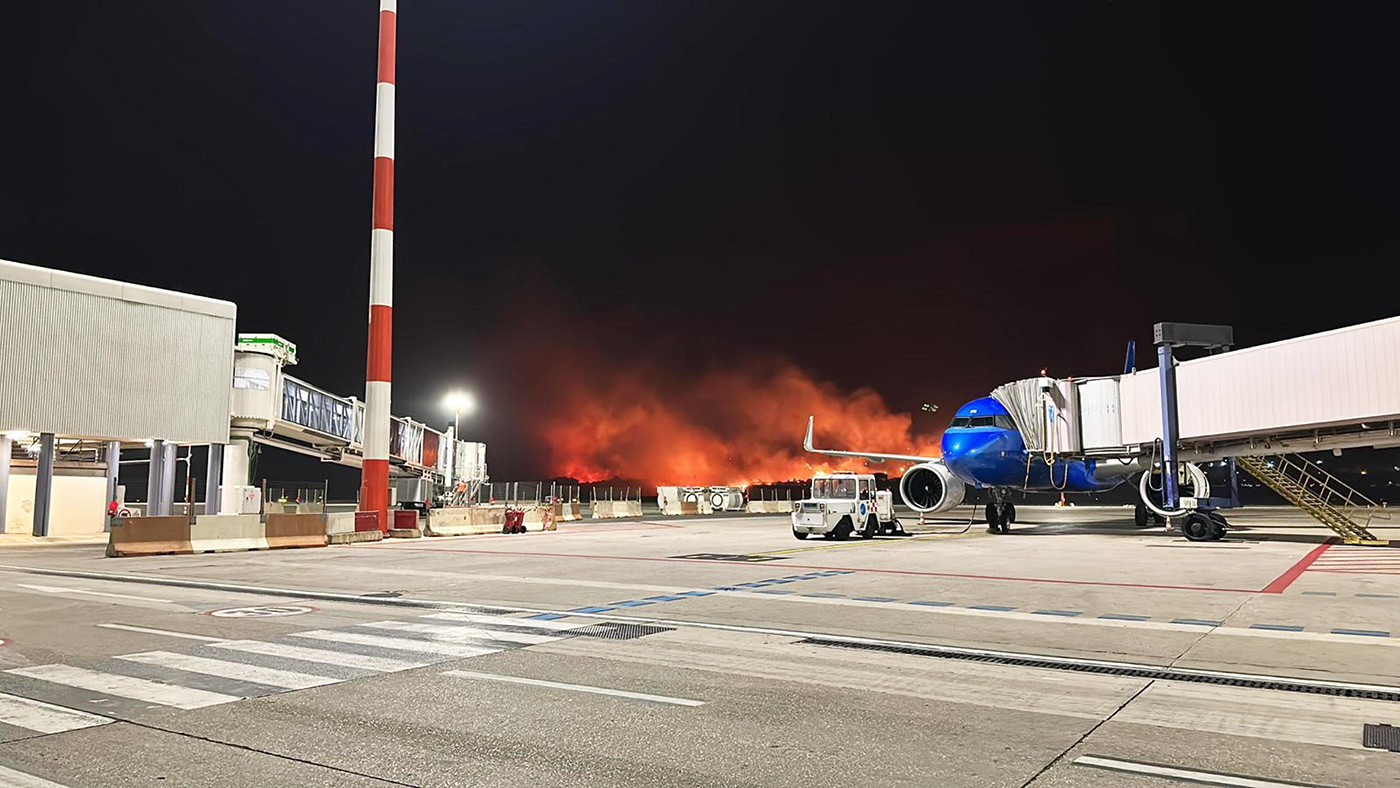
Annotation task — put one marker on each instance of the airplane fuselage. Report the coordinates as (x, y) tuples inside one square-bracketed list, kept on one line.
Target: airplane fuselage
[(983, 448)]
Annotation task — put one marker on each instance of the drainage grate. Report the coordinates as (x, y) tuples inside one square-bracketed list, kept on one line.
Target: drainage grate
[(615, 631), (1381, 737), (744, 559), (1194, 676)]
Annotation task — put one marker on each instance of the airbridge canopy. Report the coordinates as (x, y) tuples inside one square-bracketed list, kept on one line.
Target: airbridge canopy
[(1347, 379)]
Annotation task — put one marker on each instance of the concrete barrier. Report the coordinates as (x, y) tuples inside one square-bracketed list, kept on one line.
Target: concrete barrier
[(466, 520), (149, 536), (340, 529), (769, 507), (226, 533), (296, 530)]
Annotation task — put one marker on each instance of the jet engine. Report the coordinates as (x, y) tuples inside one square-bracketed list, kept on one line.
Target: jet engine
[(931, 487)]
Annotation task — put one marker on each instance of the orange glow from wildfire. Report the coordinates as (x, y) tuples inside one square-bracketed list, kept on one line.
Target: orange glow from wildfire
[(723, 426)]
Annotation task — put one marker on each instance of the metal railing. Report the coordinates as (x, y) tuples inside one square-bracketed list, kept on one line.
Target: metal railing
[(1329, 500)]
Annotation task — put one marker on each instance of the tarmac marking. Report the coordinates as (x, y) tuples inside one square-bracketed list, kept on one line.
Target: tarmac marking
[(843, 569), (324, 656), (1292, 573), (166, 632), (125, 686), (9, 778), (1177, 773), (459, 650), (64, 590), (499, 621), (469, 674), (43, 717), (471, 635), (273, 677)]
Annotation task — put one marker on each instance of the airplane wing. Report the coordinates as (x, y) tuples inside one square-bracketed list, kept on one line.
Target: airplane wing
[(872, 457)]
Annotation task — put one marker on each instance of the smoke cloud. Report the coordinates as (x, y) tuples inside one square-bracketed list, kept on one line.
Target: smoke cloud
[(725, 426)]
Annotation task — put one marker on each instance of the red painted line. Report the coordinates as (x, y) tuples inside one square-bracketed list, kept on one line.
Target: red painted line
[(1286, 579), (388, 45), (383, 193), (768, 565), (379, 364)]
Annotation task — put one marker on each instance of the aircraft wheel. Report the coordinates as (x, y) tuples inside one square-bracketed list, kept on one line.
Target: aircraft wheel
[(799, 534), (843, 529), (1010, 513), (993, 521), (1198, 527), (1140, 515), (872, 527)]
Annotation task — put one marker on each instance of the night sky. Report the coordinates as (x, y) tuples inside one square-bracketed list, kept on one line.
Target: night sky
[(927, 199)]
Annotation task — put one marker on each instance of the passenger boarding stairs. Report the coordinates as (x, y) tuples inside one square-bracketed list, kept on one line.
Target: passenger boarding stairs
[(1330, 501)]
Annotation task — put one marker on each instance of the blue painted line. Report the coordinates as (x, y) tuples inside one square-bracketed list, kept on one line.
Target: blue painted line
[(1202, 622), (592, 609), (779, 580), (1121, 617), (875, 598), (1278, 627), (1001, 608), (751, 585), (1065, 613), (1375, 633), (631, 603), (547, 616), (932, 604), (696, 593), (843, 571), (1319, 593), (729, 588), (774, 591), (824, 595), (1378, 596), (667, 598)]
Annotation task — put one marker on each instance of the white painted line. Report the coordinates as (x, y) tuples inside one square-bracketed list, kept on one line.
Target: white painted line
[(401, 644), (471, 674), (61, 590), (166, 632), (125, 686), (324, 656), (464, 634), (44, 717), (9, 778), (256, 674), (500, 621), (477, 576), (1172, 772)]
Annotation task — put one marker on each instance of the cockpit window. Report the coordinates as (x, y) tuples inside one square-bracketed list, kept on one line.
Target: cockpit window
[(1000, 421)]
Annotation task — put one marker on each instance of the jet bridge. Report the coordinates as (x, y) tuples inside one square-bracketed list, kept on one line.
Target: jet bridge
[(272, 408), (1332, 390)]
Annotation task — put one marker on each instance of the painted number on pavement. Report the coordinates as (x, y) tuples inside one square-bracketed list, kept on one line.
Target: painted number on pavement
[(264, 611)]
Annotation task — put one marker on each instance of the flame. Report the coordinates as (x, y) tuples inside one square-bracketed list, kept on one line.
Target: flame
[(744, 423)]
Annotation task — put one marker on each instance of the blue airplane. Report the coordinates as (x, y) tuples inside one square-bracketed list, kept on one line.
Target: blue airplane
[(982, 447)]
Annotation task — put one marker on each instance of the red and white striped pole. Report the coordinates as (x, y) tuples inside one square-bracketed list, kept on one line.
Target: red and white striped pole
[(374, 474)]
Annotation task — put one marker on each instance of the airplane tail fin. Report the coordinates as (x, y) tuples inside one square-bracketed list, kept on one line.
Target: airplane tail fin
[(1130, 360)]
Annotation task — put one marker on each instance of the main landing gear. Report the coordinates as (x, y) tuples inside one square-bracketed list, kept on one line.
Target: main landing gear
[(1143, 518)]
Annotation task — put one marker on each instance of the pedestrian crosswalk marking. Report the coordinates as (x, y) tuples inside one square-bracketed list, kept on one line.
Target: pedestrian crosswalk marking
[(500, 621), (256, 674), (418, 643), (125, 686), (325, 656), (464, 634), (402, 644), (9, 778), (43, 717)]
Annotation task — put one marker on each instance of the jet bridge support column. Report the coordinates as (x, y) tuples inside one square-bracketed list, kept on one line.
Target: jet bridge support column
[(1166, 373)]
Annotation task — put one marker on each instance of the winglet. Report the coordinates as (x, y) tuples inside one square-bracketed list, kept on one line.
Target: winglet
[(807, 441)]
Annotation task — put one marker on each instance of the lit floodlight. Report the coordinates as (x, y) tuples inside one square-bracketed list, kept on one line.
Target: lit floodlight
[(459, 402)]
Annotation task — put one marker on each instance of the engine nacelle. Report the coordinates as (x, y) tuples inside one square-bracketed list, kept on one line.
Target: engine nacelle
[(931, 487)]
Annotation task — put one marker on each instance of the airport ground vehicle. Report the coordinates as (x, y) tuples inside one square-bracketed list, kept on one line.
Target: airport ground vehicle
[(841, 504)]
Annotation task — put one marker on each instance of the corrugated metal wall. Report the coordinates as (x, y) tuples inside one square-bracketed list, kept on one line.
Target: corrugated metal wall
[(83, 364)]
